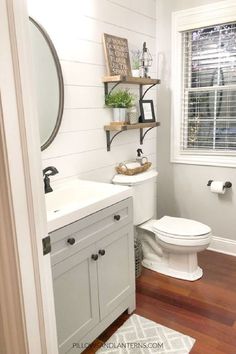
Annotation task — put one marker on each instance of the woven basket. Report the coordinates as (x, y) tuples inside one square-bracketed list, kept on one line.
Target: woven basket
[(124, 170)]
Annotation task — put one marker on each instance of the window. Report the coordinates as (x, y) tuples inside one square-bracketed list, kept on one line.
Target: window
[(209, 97), (203, 84)]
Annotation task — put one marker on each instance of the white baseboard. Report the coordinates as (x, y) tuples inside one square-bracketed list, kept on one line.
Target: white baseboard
[(223, 245)]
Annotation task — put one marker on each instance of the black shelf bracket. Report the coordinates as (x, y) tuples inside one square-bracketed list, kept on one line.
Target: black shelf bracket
[(142, 135), (142, 94), (106, 88), (109, 139)]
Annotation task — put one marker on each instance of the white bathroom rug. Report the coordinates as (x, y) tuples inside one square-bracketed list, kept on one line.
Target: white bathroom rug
[(139, 335)]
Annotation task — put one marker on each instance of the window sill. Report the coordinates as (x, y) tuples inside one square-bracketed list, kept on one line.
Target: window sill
[(204, 160)]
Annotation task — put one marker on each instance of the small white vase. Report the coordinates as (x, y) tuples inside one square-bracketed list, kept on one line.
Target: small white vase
[(135, 72), (119, 115)]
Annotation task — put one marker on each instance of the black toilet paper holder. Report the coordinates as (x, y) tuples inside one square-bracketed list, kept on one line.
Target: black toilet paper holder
[(226, 185)]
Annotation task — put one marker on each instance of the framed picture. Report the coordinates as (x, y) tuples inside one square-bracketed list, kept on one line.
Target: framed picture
[(147, 111), (116, 55)]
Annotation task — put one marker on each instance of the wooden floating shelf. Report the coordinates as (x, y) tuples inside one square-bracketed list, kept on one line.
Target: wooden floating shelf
[(130, 80), (121, 128), (117, 127)]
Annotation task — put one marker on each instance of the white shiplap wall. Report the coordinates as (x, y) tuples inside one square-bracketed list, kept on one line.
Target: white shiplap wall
[(76, 28)]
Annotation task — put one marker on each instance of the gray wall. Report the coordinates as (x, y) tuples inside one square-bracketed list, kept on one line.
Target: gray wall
[(182, 188)]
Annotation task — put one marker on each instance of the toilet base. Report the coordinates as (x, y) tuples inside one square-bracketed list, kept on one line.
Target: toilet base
[(166, 270)]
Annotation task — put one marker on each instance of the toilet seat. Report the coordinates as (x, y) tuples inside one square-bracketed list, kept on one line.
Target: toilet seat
[(180, 231), (180, 227), (182, 237), (185, 241)]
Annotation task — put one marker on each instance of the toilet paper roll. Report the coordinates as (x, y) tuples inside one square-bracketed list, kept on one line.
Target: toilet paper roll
[(218, 187)]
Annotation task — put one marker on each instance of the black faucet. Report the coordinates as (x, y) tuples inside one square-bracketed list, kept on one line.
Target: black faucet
[(48, 171)]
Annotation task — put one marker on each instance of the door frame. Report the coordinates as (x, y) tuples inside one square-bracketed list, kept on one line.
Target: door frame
[(27, 315)]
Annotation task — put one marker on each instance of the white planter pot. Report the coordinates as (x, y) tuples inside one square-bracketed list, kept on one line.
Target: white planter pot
[(119, 115), (135, 72)]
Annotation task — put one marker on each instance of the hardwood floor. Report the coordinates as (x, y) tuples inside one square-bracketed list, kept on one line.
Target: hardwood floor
[(204, 309)]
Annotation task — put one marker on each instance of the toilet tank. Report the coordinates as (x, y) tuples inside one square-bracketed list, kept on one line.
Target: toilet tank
[(144, 200)]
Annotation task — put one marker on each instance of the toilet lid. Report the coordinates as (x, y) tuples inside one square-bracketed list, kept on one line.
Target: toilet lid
[(180, 227), (134, 179)]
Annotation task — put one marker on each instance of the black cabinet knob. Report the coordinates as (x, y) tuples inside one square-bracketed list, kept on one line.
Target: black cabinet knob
[(102, 252), (117, 217), (94, 257), (71, 241)]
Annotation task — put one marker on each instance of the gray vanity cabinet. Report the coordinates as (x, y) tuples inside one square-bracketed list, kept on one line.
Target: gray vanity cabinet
[(114, 270), (76, 297), (93, 274)]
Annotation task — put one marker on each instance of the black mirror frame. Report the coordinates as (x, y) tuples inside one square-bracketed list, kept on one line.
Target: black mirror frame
[(60, 82)]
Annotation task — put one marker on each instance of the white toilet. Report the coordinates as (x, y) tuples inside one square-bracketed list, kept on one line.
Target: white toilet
[(170, 245)]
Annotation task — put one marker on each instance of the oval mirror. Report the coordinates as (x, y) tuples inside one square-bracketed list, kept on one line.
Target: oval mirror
[(49, 83)]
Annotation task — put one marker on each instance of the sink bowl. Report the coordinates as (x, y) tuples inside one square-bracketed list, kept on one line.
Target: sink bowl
[(76, 199)]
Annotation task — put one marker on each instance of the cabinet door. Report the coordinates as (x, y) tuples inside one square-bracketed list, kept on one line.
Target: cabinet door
[(76, 297), (115, 269)]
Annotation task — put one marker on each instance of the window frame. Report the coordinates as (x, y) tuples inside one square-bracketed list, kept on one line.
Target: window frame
[(186, 20)]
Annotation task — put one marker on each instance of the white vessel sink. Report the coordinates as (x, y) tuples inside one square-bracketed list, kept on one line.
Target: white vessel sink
[(76, 199)]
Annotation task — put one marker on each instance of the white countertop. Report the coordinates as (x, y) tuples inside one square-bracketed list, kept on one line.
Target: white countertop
[(76, 199)]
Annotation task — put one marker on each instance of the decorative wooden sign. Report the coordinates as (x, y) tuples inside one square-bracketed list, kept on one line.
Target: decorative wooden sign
[(117, 55)]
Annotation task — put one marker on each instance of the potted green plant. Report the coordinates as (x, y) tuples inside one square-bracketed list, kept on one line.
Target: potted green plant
[(120, 100)]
